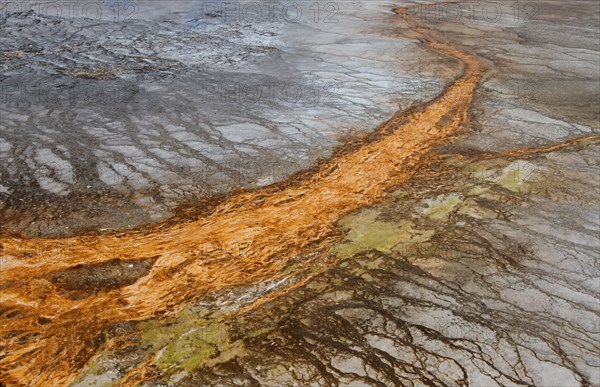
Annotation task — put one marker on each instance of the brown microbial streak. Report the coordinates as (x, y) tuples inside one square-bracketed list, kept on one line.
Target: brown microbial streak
[(569, 143), (55, 305)]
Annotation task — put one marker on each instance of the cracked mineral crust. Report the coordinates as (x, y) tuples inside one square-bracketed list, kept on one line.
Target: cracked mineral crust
[(210, 193)]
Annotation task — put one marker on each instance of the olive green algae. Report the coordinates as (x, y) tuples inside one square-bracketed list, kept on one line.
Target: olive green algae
[(407, 224)]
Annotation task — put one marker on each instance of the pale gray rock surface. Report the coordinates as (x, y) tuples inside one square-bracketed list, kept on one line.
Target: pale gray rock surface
[(149, 105)]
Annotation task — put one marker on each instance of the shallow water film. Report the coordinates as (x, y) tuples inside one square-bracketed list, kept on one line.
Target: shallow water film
[(299, 193)]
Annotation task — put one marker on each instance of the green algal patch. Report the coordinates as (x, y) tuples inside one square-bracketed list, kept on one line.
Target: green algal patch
[(100, 371), (187, 341), (471, 208), (440, 207), (516, 176), (365, 232)]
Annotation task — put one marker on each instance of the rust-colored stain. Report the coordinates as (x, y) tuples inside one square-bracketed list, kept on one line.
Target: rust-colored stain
[(50, 328)]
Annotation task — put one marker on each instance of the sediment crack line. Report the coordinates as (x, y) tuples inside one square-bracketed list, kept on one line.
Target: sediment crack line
[(49, 328)]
